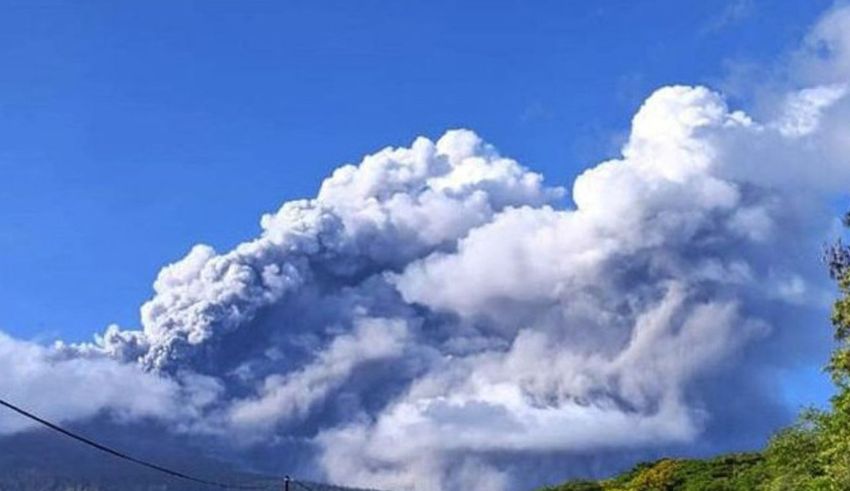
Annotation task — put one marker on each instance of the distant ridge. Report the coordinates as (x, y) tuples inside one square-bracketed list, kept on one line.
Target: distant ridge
[(38, 461)]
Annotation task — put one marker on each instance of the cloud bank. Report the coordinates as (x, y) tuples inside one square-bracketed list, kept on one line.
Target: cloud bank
[(438, 315)]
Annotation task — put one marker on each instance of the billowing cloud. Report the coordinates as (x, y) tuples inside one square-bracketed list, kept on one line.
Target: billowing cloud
[(439, 314), (34, 375)]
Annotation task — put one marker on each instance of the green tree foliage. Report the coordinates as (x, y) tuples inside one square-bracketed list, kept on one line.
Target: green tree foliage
[(831, 429), (793, 457), (811, 455), (736, 472)]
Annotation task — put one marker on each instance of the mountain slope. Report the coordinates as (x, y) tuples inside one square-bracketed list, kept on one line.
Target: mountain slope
[(42, 461)]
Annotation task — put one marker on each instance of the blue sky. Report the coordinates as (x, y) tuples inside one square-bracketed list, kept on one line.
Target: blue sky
[(130, 132)]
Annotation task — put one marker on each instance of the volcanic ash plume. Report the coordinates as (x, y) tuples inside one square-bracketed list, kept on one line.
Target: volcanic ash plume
[(438, 317)]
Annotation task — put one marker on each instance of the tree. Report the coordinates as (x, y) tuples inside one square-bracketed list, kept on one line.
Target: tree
[(829, 431), (793, 457)]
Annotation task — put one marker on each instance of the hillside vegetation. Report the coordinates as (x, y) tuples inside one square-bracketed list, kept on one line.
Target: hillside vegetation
[(744, 472), (811, 455)]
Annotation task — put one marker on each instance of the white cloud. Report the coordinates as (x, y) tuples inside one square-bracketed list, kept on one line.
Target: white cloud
[(77, 388), (824, 56)]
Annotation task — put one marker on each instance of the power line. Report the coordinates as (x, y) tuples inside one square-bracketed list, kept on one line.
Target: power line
[(307, 488), (121, 455)]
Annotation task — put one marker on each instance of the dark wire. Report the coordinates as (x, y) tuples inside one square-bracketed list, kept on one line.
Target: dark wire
[(121, 455), (308, 488)]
